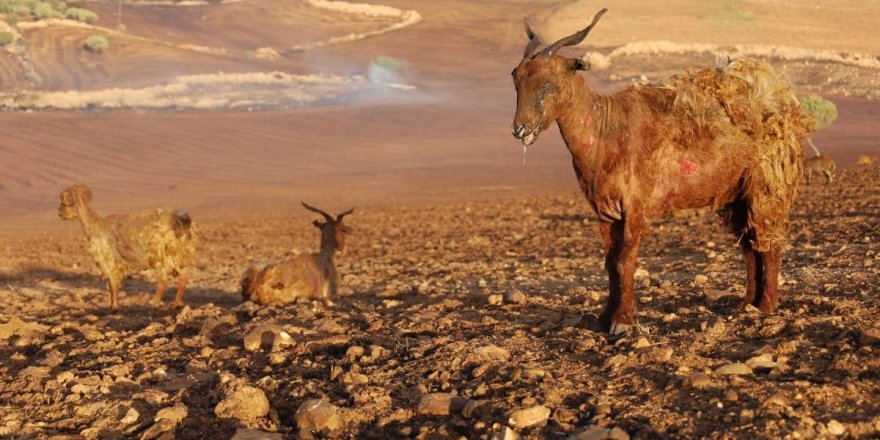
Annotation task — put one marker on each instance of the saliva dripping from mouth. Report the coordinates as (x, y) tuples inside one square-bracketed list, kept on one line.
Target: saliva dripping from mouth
[(525, 147)]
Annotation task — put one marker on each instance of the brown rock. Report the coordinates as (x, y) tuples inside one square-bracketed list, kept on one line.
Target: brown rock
[(440, 404), (529, 417), (253, 434), (698, 380), (175, 413), (870, 336), (598, 433), (733, 369), (317, 415), (244, 403), (475, 409), (267, 334), (489, 353)]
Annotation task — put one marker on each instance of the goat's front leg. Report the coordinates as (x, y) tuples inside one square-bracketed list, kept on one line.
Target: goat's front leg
[(622, 242), (113, 284), (161, 284), (181, 286), (754, 273)]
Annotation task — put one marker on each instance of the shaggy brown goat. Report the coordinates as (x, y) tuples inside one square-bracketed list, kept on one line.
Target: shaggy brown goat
[(727, 137), (823, 165), (158, 239), (306, 276)]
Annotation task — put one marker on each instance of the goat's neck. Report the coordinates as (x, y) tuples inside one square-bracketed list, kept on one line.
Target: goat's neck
[(92, 223), (328, 248), (582, 120)]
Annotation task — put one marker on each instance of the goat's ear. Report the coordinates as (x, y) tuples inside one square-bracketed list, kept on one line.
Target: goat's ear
[(317, 224), (575, 64)]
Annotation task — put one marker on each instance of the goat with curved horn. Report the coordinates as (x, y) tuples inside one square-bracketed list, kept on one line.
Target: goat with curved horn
[(302, 277), (714, 138)]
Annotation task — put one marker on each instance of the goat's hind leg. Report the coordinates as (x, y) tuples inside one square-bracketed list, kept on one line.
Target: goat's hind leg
[(161, 284), (769, 298)]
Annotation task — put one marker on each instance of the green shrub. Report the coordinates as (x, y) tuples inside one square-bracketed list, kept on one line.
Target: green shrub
[(22, 10), (44, 10), (11, 18), (83, 15), (96, 43), (5, 38), (823, 110), (387, 63)]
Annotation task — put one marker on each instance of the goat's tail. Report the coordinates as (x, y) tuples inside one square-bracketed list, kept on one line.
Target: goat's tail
[(182, 224)]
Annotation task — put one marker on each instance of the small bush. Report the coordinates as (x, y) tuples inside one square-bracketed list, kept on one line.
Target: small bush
[(82, 15), (387, 63), (44, 10), (5, 38), (823, 110), (12, 19), (22, 10), (96, 43)]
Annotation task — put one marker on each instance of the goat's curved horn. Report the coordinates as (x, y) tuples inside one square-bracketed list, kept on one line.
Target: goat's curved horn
[(572, 39), (534, 41), (339, 217), (328, 217)]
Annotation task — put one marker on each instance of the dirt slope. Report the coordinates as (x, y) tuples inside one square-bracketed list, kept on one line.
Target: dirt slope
[(447, 140)]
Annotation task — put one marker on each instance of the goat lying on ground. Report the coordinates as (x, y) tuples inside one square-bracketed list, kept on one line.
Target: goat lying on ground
[(728, 137), (158, 239), (820, 165), (306, 276)]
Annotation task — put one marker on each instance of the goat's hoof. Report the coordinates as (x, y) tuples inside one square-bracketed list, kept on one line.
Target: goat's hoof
[(177, 304), (619, 329)]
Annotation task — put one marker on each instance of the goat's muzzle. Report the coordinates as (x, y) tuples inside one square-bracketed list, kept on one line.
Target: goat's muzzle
[(525, 134), (66, 212)]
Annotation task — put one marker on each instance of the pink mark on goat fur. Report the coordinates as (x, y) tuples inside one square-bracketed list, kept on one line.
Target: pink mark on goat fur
[(316, 281), (588, 119), (592, 138), (687, 167)]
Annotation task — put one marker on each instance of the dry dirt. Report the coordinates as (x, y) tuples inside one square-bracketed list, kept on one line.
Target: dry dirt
[(466, 272), (425, 292)]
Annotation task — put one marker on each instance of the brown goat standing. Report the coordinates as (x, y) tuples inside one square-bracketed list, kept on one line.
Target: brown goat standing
[(822, 165), (306, 276), (158, 239), (727, 137)]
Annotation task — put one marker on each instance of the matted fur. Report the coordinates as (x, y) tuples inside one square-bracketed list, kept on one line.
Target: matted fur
[(749, 106), (163, 240)]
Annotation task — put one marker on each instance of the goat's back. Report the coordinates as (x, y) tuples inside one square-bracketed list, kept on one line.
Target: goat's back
[(156, 237), (304, 276)]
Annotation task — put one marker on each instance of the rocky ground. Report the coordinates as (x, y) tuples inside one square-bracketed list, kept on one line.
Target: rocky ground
[(458, 321)]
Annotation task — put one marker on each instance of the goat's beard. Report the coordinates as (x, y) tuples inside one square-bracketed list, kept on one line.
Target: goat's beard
[(529, 139)]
